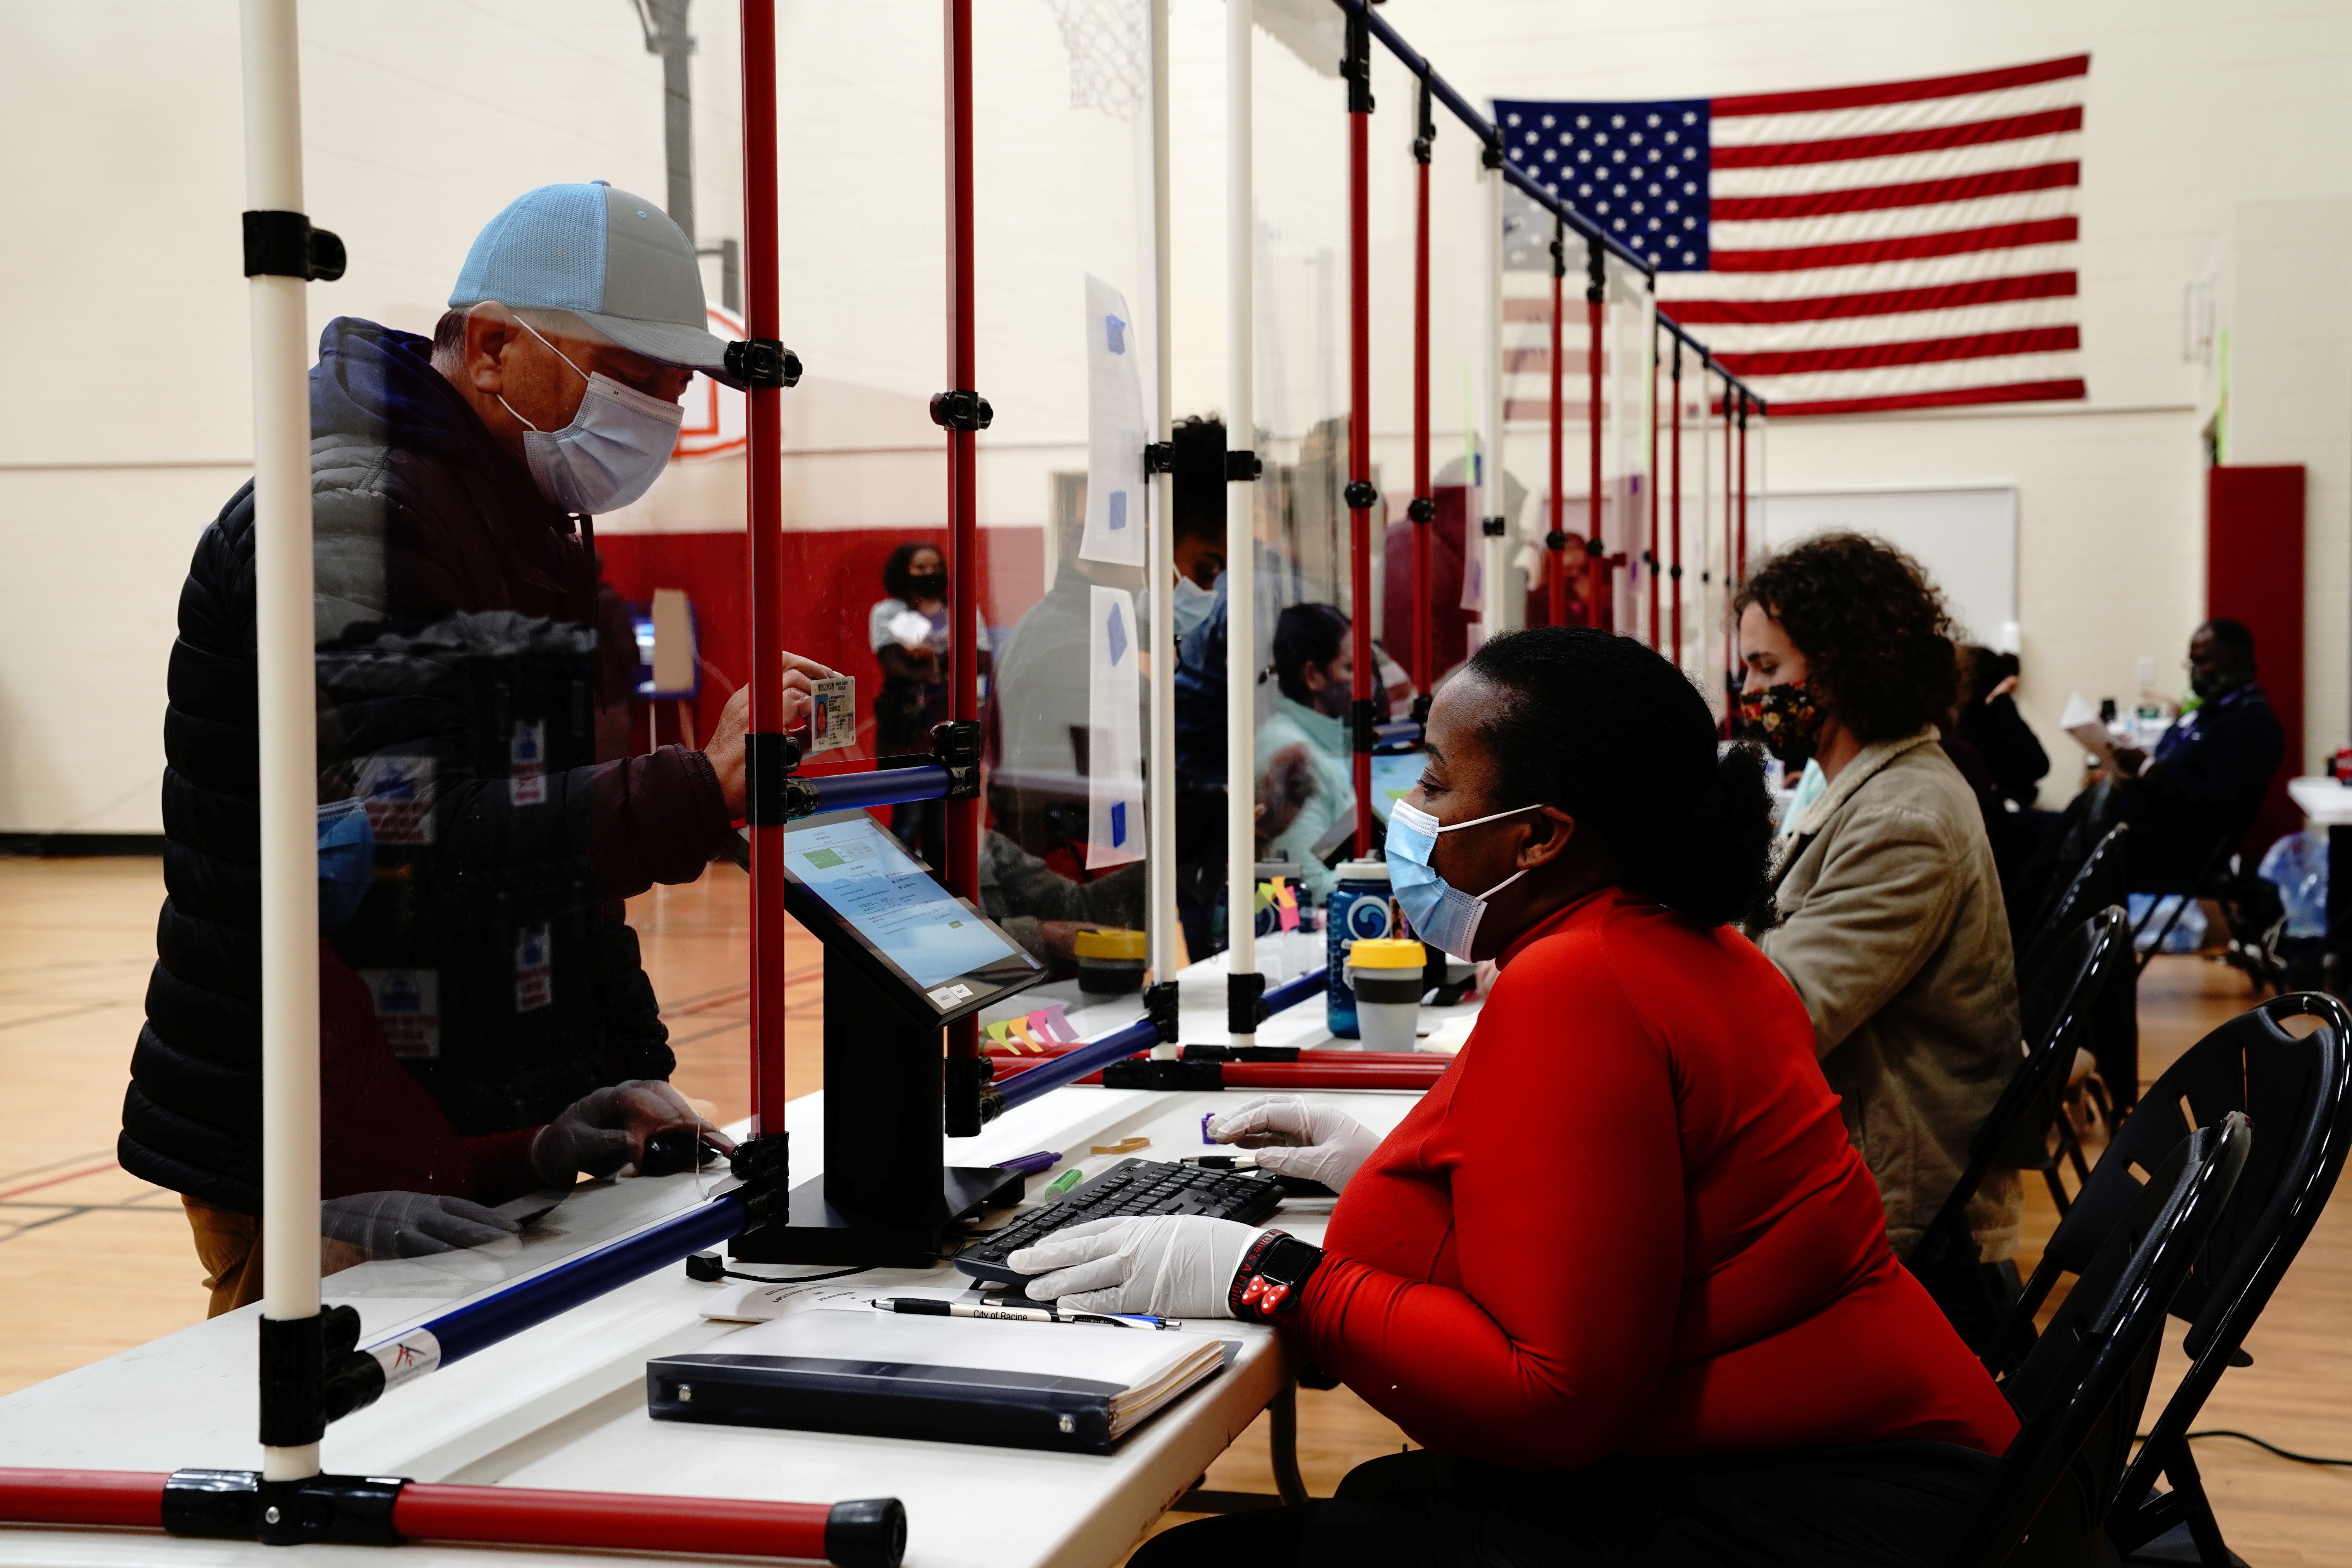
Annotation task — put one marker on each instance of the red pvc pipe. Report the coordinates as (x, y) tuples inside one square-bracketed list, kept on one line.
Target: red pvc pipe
[(1598, 611), (611, 1522), (1556, 559), (764, 534), (1732, 574), (1335, 1075), (114, 1499), (1653, 556), (1311, 1056), (1743, 484), (1677, 459), (1424, 669), (1360, 447), (502, 1516), (963, 485)]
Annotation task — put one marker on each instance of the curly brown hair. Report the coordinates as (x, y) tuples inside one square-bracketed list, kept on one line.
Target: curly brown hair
[(1874, 632)]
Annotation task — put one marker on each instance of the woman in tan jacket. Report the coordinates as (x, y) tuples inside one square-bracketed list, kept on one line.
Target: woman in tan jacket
[(1891, 922)]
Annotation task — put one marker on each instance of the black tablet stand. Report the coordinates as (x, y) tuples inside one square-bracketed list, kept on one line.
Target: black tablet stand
[(886, 1197)]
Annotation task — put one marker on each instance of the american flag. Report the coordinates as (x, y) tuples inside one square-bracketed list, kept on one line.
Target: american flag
[(1907, 245)]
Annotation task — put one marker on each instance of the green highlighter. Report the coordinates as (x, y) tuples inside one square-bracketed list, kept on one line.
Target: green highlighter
[(1064, 1183)]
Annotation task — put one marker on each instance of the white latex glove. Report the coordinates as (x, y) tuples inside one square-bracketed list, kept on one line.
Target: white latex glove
[(1177, 1266), (416, 1225), (1294, 1136)]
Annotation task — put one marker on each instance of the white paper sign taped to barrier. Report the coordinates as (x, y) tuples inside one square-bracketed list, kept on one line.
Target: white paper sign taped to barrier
[(1116, 433), (1115, 742)]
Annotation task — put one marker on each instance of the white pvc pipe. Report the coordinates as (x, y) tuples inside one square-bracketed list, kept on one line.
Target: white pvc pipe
[(283, 655), (1160, 811), (1240, 516), (1494, 492)]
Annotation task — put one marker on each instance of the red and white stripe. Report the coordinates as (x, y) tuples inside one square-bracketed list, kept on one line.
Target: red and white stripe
[(1906, 245)]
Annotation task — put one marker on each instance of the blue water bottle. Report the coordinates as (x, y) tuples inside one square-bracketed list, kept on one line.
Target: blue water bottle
[(1359, 907)]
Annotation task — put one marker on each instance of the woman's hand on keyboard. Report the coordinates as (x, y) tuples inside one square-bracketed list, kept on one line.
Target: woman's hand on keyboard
[(1297, 1137), (1178, 1265)]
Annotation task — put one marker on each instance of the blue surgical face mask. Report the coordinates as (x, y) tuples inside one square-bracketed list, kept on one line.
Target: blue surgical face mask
[(611, 453), (1441, 913)]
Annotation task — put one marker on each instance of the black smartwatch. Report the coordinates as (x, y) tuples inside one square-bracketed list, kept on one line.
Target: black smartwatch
[(1273, 1276)]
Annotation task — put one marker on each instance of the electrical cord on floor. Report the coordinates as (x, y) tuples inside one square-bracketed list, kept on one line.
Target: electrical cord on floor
[(2259, 1443)]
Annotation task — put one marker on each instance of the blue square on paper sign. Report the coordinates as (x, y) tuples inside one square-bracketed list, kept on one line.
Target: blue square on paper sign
[(1118, 823), (1117, 628), (1118, 510), (1115, 335)]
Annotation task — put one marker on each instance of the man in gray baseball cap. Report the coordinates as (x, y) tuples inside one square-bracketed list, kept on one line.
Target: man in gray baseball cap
[(576, 324), (479, 829)]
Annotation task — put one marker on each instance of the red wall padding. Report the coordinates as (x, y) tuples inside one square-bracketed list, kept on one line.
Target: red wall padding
[(832, 579), (2253, 573)]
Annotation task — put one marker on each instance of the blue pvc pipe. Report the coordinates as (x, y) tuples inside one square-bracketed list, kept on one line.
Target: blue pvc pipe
[(479, 1323), (1071, 1066), (1141, 1036), (1291, 992), (880, 787)]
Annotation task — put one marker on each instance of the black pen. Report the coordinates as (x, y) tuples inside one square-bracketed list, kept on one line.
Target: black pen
[(931, 1307)]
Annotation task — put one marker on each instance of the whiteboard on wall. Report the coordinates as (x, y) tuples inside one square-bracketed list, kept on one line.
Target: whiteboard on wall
[(1965, 537)]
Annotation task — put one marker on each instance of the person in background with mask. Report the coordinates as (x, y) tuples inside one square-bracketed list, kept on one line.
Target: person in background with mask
[(483, 847), (2206, 779), (1314, 670), (908, 630), (1991, 723), (1890, 924), (1668, 1332)]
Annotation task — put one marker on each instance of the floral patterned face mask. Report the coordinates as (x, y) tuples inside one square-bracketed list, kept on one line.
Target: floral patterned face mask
[(1784, 718)]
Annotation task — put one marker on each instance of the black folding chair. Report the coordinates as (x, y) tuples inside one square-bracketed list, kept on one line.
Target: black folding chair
[(2078, 832), (2299, 1093), (2205, 884), (2099, 879), (2080, 1393), (2015, 1134), (2097, 882)]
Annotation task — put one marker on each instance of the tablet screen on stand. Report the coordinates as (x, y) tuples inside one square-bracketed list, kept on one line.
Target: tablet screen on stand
[(847, 872)]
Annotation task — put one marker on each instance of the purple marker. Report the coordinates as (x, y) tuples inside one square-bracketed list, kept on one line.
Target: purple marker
[(1044, 1160)]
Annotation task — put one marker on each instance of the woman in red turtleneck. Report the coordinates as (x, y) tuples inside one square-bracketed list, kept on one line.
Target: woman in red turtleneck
[(1620, 1271)]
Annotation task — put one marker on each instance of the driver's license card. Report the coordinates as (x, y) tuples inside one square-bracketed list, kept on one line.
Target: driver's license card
[(833, 719)]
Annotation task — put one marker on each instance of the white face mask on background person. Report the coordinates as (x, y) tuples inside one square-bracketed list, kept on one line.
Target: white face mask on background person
[(611, 453)]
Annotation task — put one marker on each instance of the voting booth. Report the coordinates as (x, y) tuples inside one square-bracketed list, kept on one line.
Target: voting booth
[(981, 631)]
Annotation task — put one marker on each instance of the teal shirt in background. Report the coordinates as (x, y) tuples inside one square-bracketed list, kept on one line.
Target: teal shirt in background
[(1334, 801)]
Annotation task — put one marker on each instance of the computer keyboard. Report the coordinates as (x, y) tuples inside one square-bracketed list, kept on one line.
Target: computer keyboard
[(1129, 1187)]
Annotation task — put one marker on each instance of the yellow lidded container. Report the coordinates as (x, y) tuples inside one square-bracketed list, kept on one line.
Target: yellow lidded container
[(1386, 953)]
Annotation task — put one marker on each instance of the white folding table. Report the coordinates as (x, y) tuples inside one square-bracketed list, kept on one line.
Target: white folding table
[(562, 1406)]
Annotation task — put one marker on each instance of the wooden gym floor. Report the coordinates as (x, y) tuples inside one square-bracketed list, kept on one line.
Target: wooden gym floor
[(93, 1261)]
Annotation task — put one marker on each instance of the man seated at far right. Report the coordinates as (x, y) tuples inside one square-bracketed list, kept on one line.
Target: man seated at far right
[(2210, 771)]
